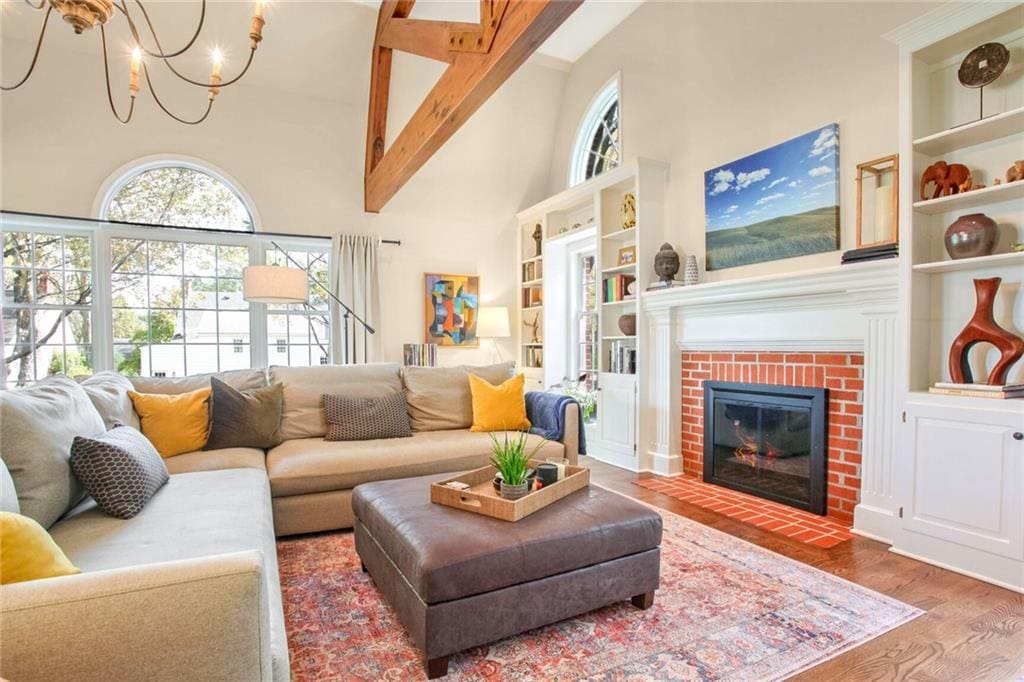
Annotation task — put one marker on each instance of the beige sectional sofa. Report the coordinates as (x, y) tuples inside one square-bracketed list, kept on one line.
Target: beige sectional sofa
[(189, 588)]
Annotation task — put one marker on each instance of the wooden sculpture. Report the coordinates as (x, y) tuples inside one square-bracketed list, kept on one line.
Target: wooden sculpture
[(982, 328), (949, 178), (1015, 172)]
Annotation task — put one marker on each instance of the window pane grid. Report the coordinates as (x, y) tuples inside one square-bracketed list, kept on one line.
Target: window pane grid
[(297, 333)]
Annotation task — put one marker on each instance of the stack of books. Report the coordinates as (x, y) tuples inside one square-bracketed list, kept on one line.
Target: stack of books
[(617, 288), (1007, 392), (420, 355), (622, 358)]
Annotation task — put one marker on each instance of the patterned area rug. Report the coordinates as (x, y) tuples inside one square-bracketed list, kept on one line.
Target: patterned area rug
[(726, 610)]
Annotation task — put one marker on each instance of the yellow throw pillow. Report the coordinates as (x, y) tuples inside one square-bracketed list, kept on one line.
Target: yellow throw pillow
[(498, 408), (174, 424), (27, 552)]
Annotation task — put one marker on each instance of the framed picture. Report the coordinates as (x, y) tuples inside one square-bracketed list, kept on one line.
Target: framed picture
[(451, 304), (781, 202), (627, 255)]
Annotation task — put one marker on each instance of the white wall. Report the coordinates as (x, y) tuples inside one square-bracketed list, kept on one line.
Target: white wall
[(703, 84), (299, 151)]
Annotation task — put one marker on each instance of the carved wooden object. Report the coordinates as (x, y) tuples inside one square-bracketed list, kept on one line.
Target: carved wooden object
[(982, 328), (480, 58)]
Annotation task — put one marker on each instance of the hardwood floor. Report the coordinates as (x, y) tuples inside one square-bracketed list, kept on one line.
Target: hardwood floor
[(971, 631)]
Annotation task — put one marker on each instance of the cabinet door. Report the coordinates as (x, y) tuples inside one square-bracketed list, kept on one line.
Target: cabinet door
[(967, 478), (617, 410)]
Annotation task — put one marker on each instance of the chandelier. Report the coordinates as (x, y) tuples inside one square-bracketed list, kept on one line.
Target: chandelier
[(83, 15)]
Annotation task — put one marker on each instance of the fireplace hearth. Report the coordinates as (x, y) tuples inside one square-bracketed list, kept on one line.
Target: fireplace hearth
[(767, 440)]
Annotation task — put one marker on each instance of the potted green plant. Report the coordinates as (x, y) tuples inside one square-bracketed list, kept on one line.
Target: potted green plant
[(510, 458)]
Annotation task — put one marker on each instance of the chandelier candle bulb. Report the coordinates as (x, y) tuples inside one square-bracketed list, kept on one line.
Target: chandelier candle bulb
[(258, 22), (133, 82), (218, 62)]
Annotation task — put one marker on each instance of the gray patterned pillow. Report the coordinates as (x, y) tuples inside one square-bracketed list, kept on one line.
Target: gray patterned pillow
[(352, 418), (121, 470)]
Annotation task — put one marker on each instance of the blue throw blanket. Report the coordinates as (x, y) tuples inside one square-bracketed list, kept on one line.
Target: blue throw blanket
[(546, 412)]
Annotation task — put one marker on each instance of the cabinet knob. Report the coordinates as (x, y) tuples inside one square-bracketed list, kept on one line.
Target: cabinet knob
[(1018, 436)]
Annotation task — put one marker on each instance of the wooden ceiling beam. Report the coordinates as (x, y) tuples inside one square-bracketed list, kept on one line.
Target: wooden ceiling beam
[(490, 52)]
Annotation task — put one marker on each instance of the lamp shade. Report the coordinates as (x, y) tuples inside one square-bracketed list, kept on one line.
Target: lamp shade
[(492, 322), (274, 284)]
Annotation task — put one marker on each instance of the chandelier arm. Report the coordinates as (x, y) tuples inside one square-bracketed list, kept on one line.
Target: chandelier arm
[(106, 74), (159, 54), (35, 55), (33, 5), (152, 90), (248, 63)]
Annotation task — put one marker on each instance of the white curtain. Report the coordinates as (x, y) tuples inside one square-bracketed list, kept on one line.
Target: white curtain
[(355, 278)]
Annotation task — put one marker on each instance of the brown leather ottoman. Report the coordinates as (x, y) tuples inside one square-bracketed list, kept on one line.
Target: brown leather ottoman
[(458, 580)]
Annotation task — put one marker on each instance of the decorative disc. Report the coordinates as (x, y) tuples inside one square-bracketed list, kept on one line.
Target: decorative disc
[(983, 64)]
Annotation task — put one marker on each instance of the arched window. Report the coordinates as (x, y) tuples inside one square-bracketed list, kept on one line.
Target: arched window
[(177, 193), (598, 145)]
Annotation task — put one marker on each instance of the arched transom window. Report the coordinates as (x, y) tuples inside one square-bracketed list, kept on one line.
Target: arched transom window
[(598, 147), (179, 195)]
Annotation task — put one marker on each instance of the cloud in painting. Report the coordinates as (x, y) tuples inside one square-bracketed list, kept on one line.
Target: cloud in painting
[(824, 184), (722, 181), (744, 180), (771, 197), (825, 143), (819, 171), (773, 183), (795, 183), (731, 209)]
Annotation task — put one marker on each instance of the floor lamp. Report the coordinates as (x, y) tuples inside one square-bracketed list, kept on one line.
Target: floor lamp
[(281, 284), (492, 323)]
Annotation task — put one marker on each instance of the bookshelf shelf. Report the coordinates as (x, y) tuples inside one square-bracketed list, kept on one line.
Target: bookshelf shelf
[(965, 264), (624, 302), (986, 130), (534, 283), (628, 267), (621, 235), (979, 197)]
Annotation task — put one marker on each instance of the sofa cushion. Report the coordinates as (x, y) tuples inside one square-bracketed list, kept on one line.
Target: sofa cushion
[(350, 418), (250, 418), (174, 423), (27, 552), (304, 387), (312, 465), (108, 392), (499, 408), (195, 515), (215, 460), (439, 398), (121, 470), (242, 379), (38, 425)]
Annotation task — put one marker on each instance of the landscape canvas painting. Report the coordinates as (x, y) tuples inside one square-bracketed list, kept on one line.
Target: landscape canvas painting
[(452, 304), (779, 203)]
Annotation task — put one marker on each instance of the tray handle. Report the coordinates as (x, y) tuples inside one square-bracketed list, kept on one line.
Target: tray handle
[(469, 502)]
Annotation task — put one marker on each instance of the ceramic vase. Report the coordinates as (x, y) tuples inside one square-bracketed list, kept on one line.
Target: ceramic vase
[(691, 275), (971, 236), (514, 492), (627, 324)]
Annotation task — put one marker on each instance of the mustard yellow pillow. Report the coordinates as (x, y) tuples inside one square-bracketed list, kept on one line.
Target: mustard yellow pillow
[(174, 424), (27, 552), (498, 408)]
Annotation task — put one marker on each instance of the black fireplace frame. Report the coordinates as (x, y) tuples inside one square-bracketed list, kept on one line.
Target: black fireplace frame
[(768, 395)]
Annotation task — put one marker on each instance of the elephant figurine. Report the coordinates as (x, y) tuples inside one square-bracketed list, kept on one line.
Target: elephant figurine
[(1015, 172), (949, 178)]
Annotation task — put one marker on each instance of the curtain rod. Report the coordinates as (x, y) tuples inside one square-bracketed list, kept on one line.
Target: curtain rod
[(396, 242)]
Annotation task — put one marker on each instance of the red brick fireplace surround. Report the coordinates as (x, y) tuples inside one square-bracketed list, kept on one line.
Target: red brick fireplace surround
[(841, 373)]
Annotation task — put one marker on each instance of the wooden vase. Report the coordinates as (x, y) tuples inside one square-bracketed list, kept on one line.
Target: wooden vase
[(982, 328)]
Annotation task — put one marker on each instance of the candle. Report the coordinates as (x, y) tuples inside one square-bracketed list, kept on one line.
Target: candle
[(883, 213), (133, 81), (218, 61), (257, 12)]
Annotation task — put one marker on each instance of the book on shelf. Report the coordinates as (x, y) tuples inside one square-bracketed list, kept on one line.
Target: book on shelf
[(622, 357), (532, 297), (616, 288), (534, 357), (419, 355), (533, 271), (1007, 392)]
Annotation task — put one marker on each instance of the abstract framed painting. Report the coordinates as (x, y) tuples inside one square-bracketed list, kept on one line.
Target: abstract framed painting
[(452, 303), (781, 202)]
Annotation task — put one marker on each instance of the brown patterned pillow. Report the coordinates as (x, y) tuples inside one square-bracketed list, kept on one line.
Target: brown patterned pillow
[(352, 418), (121, 470)]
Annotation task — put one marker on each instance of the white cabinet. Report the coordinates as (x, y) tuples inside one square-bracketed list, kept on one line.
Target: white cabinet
[(961, 489), (614, 438)]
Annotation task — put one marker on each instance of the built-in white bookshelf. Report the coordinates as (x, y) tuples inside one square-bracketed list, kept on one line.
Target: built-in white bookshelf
[(959, 464), (589, 218)]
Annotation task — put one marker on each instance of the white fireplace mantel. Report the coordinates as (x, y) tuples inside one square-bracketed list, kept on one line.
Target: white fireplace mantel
[(848, 308)]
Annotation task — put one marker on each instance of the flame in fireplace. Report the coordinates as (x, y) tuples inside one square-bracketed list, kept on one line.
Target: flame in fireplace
[(750, 449)]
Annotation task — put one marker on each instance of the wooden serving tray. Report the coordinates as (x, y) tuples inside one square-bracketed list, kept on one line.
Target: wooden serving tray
[(482, 498)]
